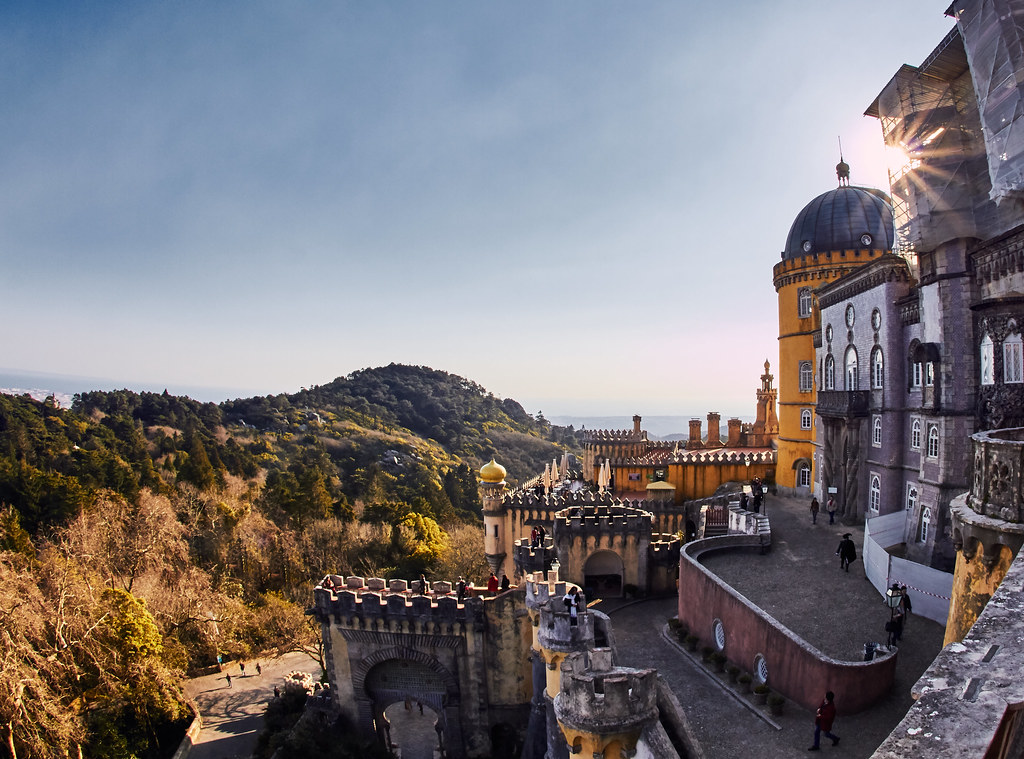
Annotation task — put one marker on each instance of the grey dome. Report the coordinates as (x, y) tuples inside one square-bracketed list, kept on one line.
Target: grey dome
[(839, 219)]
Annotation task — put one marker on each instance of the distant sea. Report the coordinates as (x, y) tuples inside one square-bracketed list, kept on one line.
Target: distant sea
[(64, 386)]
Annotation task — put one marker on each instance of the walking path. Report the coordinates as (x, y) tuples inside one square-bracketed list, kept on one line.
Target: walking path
[(233, 714), (798, 582)]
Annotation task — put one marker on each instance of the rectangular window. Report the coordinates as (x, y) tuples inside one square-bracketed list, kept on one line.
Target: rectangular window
[(915, 380), (929, 374), (634, 476), (805, 419)]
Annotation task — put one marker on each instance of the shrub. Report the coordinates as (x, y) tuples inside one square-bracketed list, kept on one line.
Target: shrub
[(761, 689), (744, 678), (776, 700), (706, 653), (691, 642)]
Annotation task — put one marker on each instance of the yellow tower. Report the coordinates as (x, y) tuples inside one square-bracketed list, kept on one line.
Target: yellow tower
[(834, 234), (497, 541)]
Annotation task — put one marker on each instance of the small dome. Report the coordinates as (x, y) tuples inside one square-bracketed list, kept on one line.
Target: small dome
[(492, 471), (847, 218)]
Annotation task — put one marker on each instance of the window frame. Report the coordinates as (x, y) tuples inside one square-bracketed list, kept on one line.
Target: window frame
[(850, 365), (915, 434), (803, 476), (877, 369), (804, 302), (926, 523), (1013, 359), (876, 432), (806, 419), (875, 493), (806, 379), (911, 503), (830, 372), (916, 375), (986, 360), (933, 441)]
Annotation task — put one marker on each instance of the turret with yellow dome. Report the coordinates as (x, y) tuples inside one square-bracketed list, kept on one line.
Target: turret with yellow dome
[(497, 540)]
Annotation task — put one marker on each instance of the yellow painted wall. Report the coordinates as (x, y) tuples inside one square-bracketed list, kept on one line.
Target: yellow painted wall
[(796, 344)]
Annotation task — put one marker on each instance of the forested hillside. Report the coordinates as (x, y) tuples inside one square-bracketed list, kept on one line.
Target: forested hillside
[(142, 534)]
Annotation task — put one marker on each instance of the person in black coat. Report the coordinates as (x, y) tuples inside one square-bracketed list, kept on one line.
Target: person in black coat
[(846, 552)]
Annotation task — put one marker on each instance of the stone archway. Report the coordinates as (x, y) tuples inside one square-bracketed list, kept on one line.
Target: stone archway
[(602, 575), (411, 677)]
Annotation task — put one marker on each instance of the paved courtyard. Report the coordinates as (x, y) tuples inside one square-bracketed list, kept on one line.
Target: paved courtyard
[(799, 582)]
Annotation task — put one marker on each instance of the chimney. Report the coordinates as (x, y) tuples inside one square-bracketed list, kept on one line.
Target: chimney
[(696, 440), (714, 433), (636, 424), (735, 429)]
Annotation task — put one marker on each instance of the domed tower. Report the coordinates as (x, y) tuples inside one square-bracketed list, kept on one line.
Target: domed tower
[(834, 234), (496, 534)]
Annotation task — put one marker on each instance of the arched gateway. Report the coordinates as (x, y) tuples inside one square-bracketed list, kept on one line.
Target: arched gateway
[(384, 645)]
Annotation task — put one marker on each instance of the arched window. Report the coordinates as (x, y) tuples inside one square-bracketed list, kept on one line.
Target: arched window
[(933, 442), (926, 522), (804, 302), (877, 369), (915, 435), (875, 494), (1013, 370), (911, 496), (803, 476), (876, 431), (987, 356), (851, 368), (806, 377), (830, 373), (805, 419)]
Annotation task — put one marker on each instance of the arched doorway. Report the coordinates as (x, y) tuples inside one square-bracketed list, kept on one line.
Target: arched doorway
[(414, 728), (602, 574), (410, 702)]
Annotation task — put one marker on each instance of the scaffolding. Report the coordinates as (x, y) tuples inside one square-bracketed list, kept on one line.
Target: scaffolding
[(950, 174), (993, 34)]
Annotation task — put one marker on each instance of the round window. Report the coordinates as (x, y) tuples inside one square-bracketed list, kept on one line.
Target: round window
[(761, 669), (719, 630)]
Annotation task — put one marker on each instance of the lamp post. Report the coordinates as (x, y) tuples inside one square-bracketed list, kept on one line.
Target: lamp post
[(893, 599)]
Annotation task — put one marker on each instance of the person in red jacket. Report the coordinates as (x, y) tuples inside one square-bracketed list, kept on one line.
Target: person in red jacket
[(492, 584), (823, 721)]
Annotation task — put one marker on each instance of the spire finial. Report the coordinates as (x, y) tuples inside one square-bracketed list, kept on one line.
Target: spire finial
[(842, 168)]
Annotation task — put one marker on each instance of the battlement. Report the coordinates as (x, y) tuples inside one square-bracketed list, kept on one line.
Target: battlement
[(377, 599), (528, 499), (614, 436), (663, 456), (617, 518), (528, 559), (599, 698)]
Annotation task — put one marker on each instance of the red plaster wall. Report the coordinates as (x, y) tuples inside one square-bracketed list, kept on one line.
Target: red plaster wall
[(796, 670)]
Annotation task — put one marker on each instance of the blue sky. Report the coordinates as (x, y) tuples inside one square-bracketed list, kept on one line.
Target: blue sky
[(576, 204)]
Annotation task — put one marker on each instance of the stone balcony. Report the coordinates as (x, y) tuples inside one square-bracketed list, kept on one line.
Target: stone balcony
[(843, 404)]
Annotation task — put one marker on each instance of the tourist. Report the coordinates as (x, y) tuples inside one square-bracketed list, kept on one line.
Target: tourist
[(814, 510), (823, 722), (460, 590), (846, 552), (831, 507), (277, 692), (241, 666), (744, 502), (423, 584), (492, 584), (905, 605), (572, 603), (259, 669), (505, 585), (227, 676), (533, 538)]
